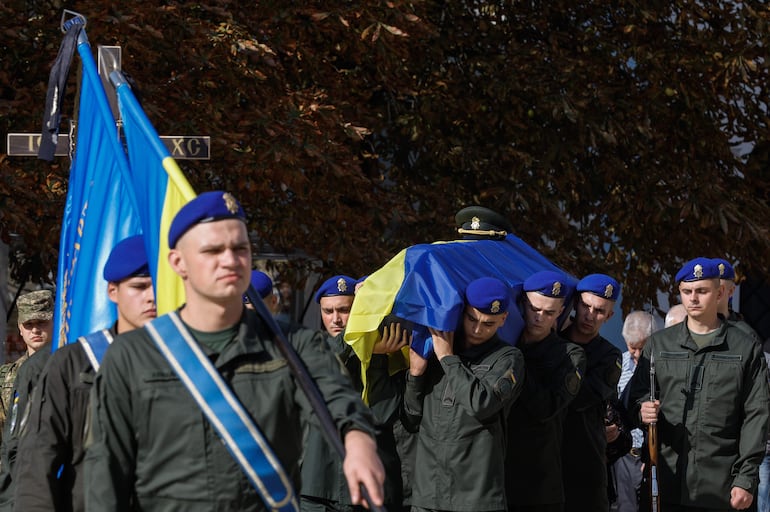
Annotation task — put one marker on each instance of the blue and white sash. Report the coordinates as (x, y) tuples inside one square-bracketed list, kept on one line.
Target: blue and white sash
[(95, 345), (246, 443)]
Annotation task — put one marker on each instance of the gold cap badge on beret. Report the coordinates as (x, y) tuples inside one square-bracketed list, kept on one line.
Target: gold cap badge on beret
[(230, 203), (556, 290), (342, 286), (721, 269), (495, 308), (608, 291), (698, 271)]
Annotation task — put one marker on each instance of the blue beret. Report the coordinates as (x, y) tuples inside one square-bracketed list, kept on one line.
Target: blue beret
[(726, 271), (207, 207), (127, 259), (548, 283), (698, 269), (337, 285), (261, 283), (600, 285), (489, 295)]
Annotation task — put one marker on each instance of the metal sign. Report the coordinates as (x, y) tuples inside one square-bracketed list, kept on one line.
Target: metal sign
[(181, 147)]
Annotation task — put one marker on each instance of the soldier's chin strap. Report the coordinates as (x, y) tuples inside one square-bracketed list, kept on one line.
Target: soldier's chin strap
[(481, 232)]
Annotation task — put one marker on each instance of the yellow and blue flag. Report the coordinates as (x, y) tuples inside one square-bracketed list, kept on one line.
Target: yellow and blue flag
[(423, 286), (100, 210), (113, 195), (161, 190)]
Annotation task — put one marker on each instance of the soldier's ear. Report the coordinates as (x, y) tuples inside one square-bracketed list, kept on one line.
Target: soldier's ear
[(177, 263), (112, 291)]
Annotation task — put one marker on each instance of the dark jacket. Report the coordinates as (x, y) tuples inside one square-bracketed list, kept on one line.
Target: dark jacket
[(154, 450), (50, 474), (535, 424), (322, 475), (23, 391), (585, 443), (460, 406), (712, 423)]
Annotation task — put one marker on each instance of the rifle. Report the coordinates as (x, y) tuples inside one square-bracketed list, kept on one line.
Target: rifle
[(652, 443)]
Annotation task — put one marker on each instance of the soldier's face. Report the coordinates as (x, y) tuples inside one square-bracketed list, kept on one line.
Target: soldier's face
[(541, 314), (214, 261), (729, 290), (136, 302), (591, 312), (480, 327), (36, 333), (701, 298), (335, 312)]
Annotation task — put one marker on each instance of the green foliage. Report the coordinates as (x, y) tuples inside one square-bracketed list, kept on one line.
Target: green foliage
[(614, 134)]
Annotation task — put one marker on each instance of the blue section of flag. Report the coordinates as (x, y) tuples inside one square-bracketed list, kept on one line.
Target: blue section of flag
[(431, 294), (100, 211), (146, 153)]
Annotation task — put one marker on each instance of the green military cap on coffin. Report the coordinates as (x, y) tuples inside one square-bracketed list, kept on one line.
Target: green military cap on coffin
[(477, 222)]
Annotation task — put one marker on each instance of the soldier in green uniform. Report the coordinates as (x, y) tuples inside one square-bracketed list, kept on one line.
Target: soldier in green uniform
[(36, 327), (554, 369), (156, 446), (264, 286), (458, 399), (35, 312), (725, 308), (49, 476), (323, 482), (711, 409), (585, 442)]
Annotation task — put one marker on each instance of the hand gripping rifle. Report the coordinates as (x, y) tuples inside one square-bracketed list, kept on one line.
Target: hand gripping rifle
[(652, 442)]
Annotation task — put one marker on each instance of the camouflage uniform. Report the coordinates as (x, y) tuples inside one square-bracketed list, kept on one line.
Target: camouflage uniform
[(36, 305), (7, 377)]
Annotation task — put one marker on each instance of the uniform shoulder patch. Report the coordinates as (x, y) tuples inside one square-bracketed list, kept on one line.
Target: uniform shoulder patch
[(505, 385)]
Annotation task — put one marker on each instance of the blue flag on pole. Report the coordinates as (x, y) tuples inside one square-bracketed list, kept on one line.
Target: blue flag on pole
[(100, 211)]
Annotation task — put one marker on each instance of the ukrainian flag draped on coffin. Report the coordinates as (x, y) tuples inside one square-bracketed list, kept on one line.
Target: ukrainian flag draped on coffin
[(100, 211), (161, 190), (422, 286)]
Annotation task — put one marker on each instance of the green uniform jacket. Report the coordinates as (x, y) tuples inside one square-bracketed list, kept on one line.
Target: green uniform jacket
[(712, 423), (7, 377), (533, 472), (460, 406), (153, 449), (50, 474), (585, 443), (23, 390), (322, 475)]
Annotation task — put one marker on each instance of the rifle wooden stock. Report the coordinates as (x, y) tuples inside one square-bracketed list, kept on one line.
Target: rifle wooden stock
[(652, 435), (652, 445)]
